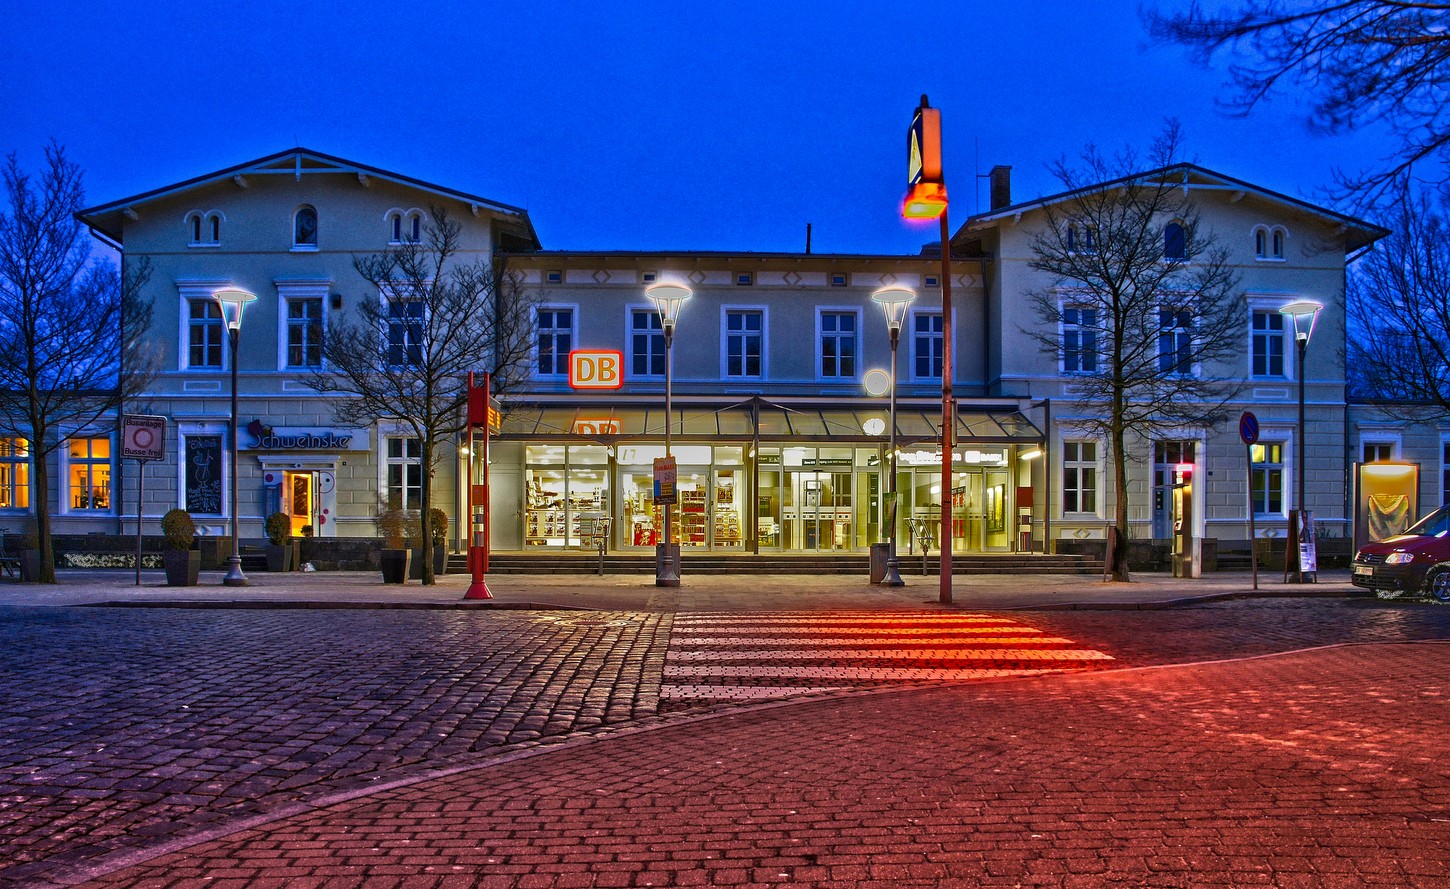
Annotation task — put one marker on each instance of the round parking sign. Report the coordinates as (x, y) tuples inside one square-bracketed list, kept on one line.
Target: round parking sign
[(1249, 428)]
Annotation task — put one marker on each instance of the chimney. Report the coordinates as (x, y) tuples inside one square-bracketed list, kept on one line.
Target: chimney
[(1001, 178)]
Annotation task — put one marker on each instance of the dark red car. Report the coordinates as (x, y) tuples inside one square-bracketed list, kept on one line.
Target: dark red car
[(1415, 562)]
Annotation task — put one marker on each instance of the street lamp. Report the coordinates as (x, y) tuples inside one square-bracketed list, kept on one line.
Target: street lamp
[(667, 299), (232, 303), (893, 301), (1303, 313)]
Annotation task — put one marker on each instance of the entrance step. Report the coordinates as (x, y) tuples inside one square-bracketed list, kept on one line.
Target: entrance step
[(553, 562)]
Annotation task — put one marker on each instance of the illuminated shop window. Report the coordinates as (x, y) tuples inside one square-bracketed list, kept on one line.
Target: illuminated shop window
[(90, 473), (14, 473)]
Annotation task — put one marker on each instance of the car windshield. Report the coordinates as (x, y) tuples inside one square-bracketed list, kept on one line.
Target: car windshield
[(1436, 524)]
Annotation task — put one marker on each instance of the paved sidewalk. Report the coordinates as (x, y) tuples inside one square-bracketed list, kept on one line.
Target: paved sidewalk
[(637, 592), (1317, 768)]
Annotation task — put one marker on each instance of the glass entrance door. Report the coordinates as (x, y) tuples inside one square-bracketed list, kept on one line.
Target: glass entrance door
[(818, 510)]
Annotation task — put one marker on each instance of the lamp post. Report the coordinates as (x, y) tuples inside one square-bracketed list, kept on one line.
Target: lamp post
[(232, 303), (667, 299), (1303, 313), (893, 302)]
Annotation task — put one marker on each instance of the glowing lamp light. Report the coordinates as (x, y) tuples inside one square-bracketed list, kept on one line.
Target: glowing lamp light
[(232, 303), (1303, 313), (894, 302), (1030, 454), (925, 200), (667, 299)]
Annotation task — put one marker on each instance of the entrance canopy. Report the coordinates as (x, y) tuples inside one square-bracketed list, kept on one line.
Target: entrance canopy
[(760, 419)]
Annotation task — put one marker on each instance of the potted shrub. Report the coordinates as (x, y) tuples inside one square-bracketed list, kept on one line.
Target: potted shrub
[(279, 542), (439, 548), (397, 528), (30, 552), (183, 564)]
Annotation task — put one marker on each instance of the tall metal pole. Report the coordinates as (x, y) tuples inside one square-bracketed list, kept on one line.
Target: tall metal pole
[(1302, 342), (893, 564), (234, 576), (670, 576), (948, 415)]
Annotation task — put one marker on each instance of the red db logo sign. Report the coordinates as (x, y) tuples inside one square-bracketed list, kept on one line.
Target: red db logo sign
[(596, 369)]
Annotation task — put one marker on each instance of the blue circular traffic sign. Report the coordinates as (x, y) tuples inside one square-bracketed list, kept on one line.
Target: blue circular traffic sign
[(1249, 428)]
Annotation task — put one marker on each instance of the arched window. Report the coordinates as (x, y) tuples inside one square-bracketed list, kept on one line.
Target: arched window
[(1261, 243), (1278, 243), (1071, 238), (415, 227), (196, 228), (216, 228), (397, 224), (304, 227), (1175, 241)]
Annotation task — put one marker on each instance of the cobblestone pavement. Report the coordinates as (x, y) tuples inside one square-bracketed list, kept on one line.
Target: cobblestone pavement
[(1313, 769), (123, 730)]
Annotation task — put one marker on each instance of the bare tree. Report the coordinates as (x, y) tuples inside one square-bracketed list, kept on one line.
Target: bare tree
[(408, 353), (1366, 62), (1143, 307), (1398, 306), (71, 325)]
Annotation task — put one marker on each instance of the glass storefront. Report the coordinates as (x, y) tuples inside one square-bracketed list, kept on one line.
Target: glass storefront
[(712, 492), (564, 486)]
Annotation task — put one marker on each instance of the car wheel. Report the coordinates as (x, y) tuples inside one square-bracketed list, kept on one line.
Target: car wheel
[(1438, 585)]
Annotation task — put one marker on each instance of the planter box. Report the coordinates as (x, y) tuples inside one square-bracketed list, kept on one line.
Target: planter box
[(280, 556), (183, 566), (440, 562), (30, 565), (395, 564)]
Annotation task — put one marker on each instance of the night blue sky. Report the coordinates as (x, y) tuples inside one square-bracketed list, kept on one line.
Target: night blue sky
[(674, 125)]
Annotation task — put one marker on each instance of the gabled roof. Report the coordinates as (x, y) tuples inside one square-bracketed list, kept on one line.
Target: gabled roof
[(1358, 233), (105, 219)]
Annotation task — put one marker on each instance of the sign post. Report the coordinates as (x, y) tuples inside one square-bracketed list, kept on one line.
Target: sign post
[(143, 438), (482, 411), (1249, 432)]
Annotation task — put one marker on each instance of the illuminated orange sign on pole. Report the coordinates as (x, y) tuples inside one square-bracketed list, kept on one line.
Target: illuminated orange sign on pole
[(926, 191), (596, 369)]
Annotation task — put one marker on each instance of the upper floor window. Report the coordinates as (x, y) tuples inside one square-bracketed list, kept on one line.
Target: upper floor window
[(204, 229), (405, 332), (556, 338), (405, 228), (926, 345), (14, 473), (1377, 451), (90, 473), (1175, 341), (1266, 346), (204, 333), (304, 227), (304, 332), (1175, 241), (646, 343), (838, 345), (1080, 238), (744, 336), (1269, 242), (1079, 339)]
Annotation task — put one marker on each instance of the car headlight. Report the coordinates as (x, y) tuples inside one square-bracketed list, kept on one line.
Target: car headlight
[(1399, 558)]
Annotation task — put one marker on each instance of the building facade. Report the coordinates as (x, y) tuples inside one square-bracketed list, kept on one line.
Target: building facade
[(780, 445)]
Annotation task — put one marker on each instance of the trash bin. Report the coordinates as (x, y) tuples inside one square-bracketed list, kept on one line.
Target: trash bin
[(880, 552)]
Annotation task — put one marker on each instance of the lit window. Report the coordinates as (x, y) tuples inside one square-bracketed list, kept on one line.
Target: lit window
[(14, 473), (90, 473), (1079, 476), (1266, 478), (204, 333), (304, 228)]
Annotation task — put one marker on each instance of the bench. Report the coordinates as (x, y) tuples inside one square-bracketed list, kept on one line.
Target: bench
[(9, 561)]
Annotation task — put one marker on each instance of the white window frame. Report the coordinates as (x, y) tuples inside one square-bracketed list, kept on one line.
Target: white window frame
[(206, 221), (389, 432), (289, 289), (1095, 465), (67, 493), (1269, 231), (1286, 464), (405, 221), (909, 332), (197, 288), (1372, 436), (1169, 305), (725, 312), (1065, 303), (1445, 469), (387, 295), (573, 309), (630, 311), (821, 312), (190, 430)]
